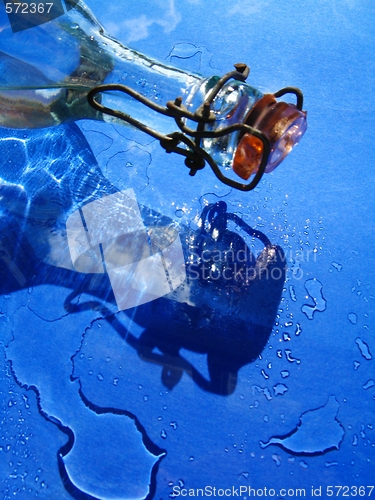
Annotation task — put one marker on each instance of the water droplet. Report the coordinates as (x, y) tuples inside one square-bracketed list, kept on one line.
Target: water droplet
[(292, 293), (289, 357), (352, 317), (100, 377), (370, 383), (280, 389), (276, 459), (364, 348), (173, 425), (285, 373), (337, 266), (163, 434), (315, 290), (298, 330), (318, 431), (265, 391), (115, 381), (267, 394)]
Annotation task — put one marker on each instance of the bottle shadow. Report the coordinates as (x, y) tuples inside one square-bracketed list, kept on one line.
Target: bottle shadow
[(229, 315), (232, 333), (225, 310)]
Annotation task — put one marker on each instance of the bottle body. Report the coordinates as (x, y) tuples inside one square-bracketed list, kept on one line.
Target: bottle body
[(47, 72)]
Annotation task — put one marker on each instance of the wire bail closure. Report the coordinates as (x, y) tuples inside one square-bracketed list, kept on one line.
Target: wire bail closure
[(187, 142)]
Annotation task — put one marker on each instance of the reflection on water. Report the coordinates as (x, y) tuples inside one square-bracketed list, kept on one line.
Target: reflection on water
[(226, 306), (224, 310)]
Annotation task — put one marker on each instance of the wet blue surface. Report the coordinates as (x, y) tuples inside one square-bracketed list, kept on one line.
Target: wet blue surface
[(121, 405)]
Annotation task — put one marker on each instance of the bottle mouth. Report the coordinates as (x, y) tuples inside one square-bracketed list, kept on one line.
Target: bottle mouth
[(282, 123)]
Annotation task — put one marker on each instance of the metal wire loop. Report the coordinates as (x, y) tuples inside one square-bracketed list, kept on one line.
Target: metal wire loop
[(187, 141)]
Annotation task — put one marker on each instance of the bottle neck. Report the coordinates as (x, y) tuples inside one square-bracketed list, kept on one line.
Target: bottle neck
[(157, 82)]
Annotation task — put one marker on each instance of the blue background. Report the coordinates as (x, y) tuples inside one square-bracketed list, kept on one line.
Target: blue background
[(318, 204)]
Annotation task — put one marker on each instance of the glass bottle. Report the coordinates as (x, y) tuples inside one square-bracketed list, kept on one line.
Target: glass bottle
[(47, 72)]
